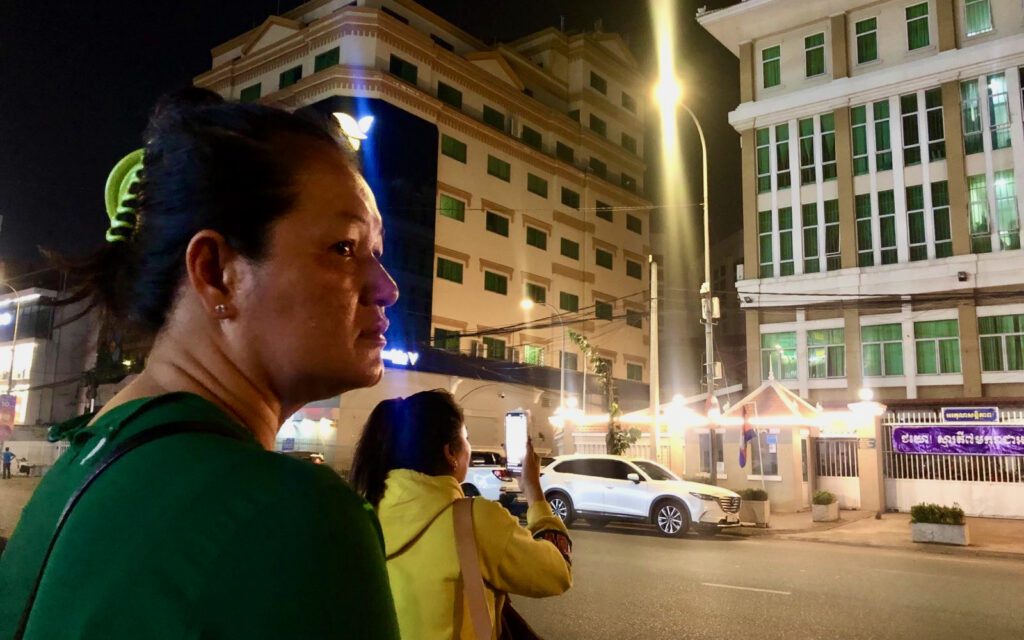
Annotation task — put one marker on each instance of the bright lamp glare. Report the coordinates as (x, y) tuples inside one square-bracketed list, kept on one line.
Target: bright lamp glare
[(6, 319), (526, 304), (668, 93), (867, 395)]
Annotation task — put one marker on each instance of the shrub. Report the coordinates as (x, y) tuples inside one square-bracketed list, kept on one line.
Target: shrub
[(754, 495), (926, 513), (823, 497)]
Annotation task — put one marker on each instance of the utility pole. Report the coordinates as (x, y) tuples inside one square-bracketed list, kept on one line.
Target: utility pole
[(653, 376)]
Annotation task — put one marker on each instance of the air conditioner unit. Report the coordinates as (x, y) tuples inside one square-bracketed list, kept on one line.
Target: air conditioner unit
[(476, 349)]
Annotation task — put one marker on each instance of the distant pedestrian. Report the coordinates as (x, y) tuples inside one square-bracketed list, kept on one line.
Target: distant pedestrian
[(249, 249), (8, 459)]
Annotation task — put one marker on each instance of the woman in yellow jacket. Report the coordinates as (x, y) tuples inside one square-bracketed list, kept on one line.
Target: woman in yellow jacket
[(410, 463)]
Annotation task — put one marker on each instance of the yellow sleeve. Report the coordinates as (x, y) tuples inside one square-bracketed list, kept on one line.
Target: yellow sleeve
[(512, 559)]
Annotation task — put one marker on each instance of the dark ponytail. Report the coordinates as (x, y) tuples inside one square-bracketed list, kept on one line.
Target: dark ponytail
[(208, 164), (407, 433)]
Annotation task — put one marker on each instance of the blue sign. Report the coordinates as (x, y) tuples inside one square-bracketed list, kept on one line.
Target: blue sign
[(987, 440), (970, 414), (288, 444)]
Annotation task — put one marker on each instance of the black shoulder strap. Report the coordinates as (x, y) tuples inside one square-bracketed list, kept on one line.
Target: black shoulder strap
[(130, 443)]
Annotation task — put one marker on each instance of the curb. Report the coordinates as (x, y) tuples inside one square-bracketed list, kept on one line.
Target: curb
[(947, 550)]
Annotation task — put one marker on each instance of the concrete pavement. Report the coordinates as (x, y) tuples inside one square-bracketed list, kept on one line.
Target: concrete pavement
[(14, 495)]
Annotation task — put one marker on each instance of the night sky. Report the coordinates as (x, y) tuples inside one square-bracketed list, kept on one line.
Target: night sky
[(79, 77)]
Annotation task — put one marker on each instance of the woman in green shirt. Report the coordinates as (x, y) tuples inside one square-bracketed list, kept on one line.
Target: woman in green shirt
[(246, 242)]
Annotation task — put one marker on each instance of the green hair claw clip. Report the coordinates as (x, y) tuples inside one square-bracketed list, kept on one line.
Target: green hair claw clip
[(123, 218)]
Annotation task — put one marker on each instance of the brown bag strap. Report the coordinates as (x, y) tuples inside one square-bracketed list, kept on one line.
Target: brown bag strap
[(469, 562)]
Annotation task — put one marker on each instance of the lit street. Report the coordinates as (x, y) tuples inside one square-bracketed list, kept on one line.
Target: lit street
[(630, 583)]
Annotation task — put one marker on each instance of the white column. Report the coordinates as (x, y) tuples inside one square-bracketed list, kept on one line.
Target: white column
[(794, 166), (926, 176), (802, 373), (876, 231), (775, 202), (819, 195), (1013, 90), (990, 177), (899, 181), (909, 358)]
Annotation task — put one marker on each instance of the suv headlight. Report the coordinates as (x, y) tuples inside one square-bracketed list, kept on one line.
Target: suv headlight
[(703, 496)]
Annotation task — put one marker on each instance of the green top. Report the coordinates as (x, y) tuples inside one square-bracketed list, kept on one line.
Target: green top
[(194, 536)]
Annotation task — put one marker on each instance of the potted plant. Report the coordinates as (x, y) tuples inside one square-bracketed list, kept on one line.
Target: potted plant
[(939, 524), (754, 507), (824, 507)]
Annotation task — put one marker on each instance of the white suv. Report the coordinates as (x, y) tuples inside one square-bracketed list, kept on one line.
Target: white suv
[(601, 489), (489, 478)]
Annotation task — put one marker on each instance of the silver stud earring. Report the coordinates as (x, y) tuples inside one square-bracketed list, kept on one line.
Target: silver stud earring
[(220, 309)]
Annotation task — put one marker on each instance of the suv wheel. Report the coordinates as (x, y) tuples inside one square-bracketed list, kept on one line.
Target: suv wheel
[(671, 518), (561, 504)]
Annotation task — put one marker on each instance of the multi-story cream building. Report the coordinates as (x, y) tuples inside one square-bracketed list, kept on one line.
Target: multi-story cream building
[(502, 172)]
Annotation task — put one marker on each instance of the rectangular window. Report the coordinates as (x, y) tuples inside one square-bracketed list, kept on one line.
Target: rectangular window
[(603, 258), (449, 95), (782, 178), (499, 168), (536, 292), (575, 114), (981, 230), (395, 15), (570, 198), (826, 353), (629, 143), (568, 302), (940, 220), (494, 118), (778, 355), (832, 259), (859, 128), (449, 270), (865, 250), (998, 110), (634, 223), (634, 270), (497, 223), (1002, 342), (883, 148), (627, 182), (453, 148), (536, 238), (937, 345), (764, 230), (495, 283), (809, 213), (250, 93), (764, 167), (634, 318), (564, 152), (764, 454), (971, 105), (867, 40), (704, 445), (786, 267), (917, 26), (1007, 220), (977, 16), (598, 83), (911, 134), (882, 350), (814, 55), (533, 354), (532, 137), (598, 168), (453, 208), (634, 372), (828, 146), (570, 249), (495, 348), (446, 339), (536, 185), (604, 211), (887, 225), (289, 77), (441, 42), (603, 310), (570, 361), (628, 102), (807, 172), (936, 127), (598, 126), (327, 59), (403, 69), (916, 224), (771, 68)]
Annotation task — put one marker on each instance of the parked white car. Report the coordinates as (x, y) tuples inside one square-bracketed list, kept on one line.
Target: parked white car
[(601, 489), (489, 478)]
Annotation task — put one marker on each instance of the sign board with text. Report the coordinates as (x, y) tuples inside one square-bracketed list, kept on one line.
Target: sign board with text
[(970, 414), (976, 440)]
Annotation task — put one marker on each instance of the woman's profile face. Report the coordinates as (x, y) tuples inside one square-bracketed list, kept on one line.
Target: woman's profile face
[(314, 315)]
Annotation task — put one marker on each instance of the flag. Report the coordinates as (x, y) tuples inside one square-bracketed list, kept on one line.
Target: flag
[(748, 434)]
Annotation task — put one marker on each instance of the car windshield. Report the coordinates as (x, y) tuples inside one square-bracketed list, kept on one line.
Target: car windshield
[(656, 472)]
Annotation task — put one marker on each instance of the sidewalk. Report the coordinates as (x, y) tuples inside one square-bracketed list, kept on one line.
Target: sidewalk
[(990, 537), (14, 495)]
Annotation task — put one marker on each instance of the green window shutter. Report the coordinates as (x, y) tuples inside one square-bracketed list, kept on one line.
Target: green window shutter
[(449, 270), (453, 208), (250, 93), (598, 83), (289, 77), (536, 292), (603, 258), (499, 168), (570, 249), (814, 54), (403, 69), (634, 372), (455, 149), (536, 185), (532, 137), (634, 318), (495, 348), (497, 223), (598, 168), (568, 301), (446, 339), (449, 95), (634, 223), (978, 14), (570, 198), (327, 59), (867, 40), (771, 66), (495, 283), (628, 182), (564, 152), (604, 211), (536, 238), (598, 126), (494, 118), (533, 354), (629, 143), (603, 310), (634, 270), (917, 26)]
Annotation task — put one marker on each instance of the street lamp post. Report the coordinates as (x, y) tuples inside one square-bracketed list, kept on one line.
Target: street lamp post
[(527, 304)]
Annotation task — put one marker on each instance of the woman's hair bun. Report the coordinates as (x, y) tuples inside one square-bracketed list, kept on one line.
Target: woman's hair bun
[(185, 99)]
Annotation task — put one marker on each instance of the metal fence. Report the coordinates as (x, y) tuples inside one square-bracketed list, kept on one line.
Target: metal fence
[(836, 458), (960, 468)]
